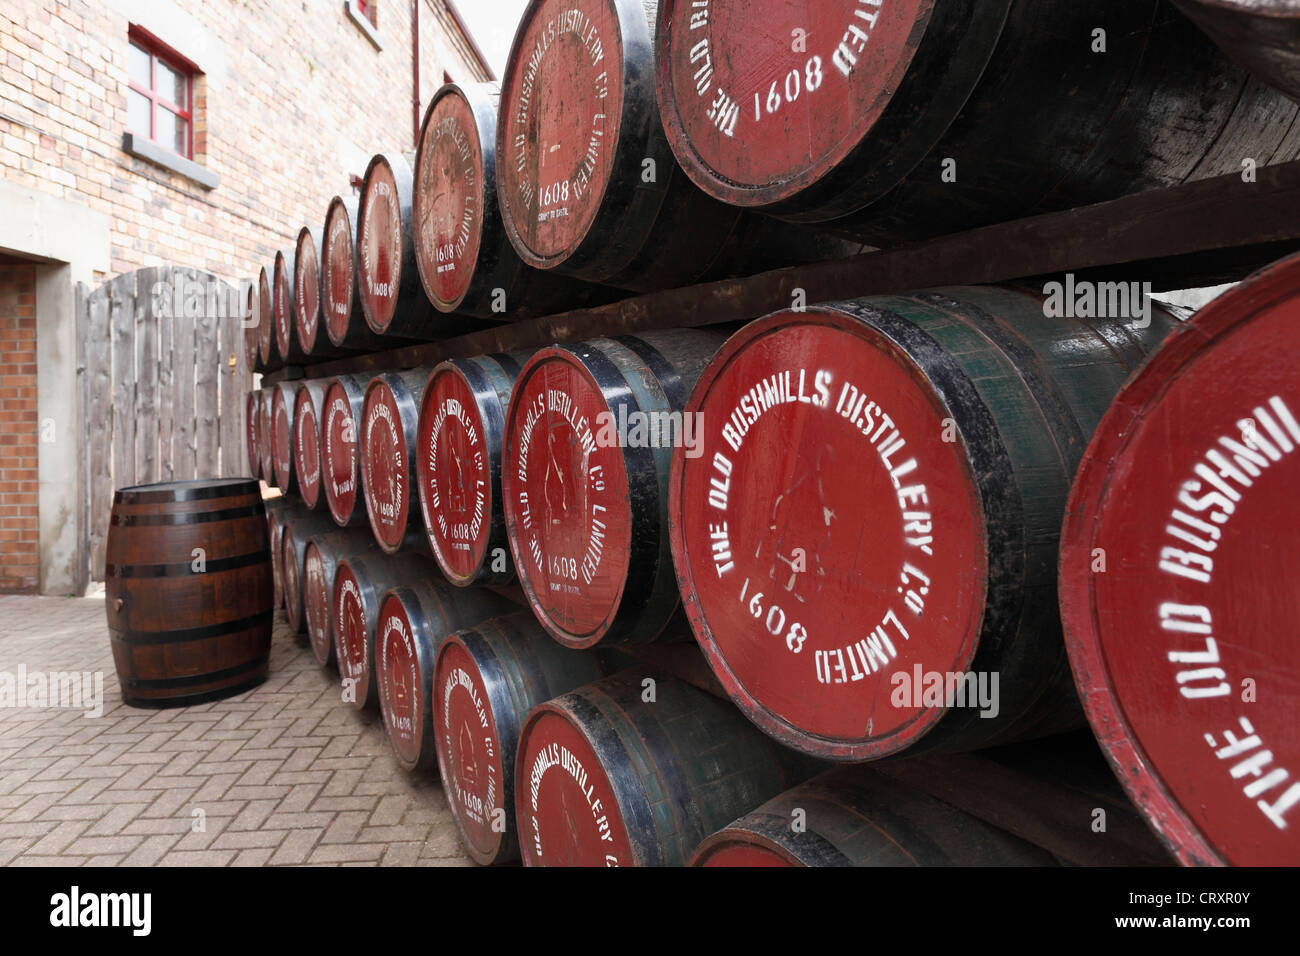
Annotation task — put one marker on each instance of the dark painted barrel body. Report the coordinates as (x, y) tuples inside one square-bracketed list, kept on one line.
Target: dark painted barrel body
[(413, 620), (1258, 34), (319, 564), (1179, 564), (609, 777), (340, 442), (188, 590), (283, 308), (297, 530), (589, 438), (342, 313), (392, 295), (458, 466), (586, 179), (308, 406), (922, 118), (389, 425), (464, 256), (360, 581), (283, 397), (854, 816), (267, 351), (252, 410), (487, 679), (949, 423)]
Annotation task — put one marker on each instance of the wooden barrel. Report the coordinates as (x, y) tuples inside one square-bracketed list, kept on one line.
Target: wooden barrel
[(283, 309), (589, 435), (308, 408), (866, 540), (462, 252), (307, 298), (587, 184), (266, 345), (283, 395), (320, 562), (413, 621), (340, 430), (188, 590), (486, 681), (264, 435), (389, 421), (360, 581), (252, 411), (916, 118), (297, 530), (854, 816), (1178, 569), (608, 777), (1258, 34), (392, 295), (458, 466), (252, 313), (345, 322), (273, 520)]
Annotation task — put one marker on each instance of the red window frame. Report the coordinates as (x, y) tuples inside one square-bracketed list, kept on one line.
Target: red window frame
[(161, 52), (367, 9)]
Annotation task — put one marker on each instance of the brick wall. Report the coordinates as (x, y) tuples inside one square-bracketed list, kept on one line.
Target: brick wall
[(19, 538), (302, 100)]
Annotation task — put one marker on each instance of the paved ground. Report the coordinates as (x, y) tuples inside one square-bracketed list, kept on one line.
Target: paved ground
[(283, 774)]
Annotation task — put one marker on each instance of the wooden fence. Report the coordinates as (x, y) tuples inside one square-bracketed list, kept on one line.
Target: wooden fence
[(163, 387)]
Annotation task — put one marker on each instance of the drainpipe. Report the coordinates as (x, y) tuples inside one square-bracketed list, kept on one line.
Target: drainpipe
[(415, 69)]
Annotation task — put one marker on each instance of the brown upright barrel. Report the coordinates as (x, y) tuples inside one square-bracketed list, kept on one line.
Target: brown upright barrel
[(586, 180), (360, 581), (1179, 564), (283, 309), (392, 297), (283, 395), (252, 410), (319, 565), (308, 407), (458, 466), (339, 438), (589, 437), (611, 777), (1258, 34), (188, 590), (866, 541), (413, 621), (390, 416), (854, 816), (916, 118), (463, 254), (264, 435), (266, 344), (486, 681), (345, 322), (298, 529)]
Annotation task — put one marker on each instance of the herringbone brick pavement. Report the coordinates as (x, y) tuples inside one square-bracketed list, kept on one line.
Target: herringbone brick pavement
[(285, 774)]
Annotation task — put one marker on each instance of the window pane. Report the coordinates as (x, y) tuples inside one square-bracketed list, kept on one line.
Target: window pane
[(182, 144), (137, 66), (137, 112), (165, 135), (171, 85)]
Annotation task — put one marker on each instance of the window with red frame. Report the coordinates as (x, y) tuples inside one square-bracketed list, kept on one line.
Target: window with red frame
[(160, 97), (367, 9)]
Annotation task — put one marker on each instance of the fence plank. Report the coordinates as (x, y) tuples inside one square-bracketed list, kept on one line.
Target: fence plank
[(166, 393), (231, 410), (183, 360), (146, 388), (121, 305), (97, 420), (207, 373)]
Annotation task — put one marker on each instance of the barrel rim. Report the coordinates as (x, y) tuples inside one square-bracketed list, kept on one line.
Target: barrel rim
[(311, 394), (300, 316), (398, 388), (1114, 437), (351, 209), (769, 721), (195, 489), (732, 835)]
